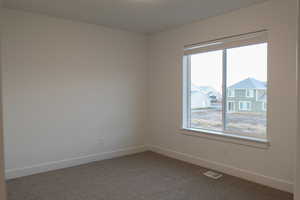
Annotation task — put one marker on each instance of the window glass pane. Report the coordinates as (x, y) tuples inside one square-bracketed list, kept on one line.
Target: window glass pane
[(247, 77), (206, 91)]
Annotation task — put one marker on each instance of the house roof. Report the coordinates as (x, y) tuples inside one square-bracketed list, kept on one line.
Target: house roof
[(249, 83)]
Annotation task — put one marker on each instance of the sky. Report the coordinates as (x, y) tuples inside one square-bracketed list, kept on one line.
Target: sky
[(242, 62)]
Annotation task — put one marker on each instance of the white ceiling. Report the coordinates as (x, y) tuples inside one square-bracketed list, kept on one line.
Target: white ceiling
[(146, 16)]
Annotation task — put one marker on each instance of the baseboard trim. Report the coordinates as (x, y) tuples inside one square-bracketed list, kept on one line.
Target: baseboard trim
[(49, 166), (244, 174), (248, 175)]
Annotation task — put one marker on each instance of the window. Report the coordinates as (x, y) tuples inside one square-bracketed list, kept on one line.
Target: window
[(245, 105), (264, 106), (230, 106), (220, 80), (249, 92), (230, 93)]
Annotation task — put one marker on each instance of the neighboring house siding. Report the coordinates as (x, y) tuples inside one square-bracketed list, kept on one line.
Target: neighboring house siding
[(247, 92), (240, 96), (248, 95)]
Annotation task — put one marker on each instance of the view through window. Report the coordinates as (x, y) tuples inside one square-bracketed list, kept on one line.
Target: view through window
[(227, 90)]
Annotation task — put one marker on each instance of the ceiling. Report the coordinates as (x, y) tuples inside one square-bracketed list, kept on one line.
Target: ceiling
[(145, 16)]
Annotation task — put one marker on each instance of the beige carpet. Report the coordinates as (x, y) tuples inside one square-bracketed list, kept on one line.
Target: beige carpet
[(143, 176)]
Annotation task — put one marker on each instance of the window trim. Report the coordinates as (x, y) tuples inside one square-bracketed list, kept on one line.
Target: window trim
[(227, 42), (211, 134), (227, 137)]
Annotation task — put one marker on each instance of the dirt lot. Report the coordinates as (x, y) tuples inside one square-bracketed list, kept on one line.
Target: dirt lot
[(244, 124)]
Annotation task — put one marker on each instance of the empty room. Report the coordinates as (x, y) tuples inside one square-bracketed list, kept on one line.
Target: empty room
[(149, 100)]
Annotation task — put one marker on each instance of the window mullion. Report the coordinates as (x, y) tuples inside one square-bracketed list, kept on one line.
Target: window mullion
[(224, 88)]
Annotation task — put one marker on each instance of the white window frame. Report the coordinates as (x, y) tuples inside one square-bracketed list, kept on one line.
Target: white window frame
[(264, 106), (221, 44), (249, 92), (231, 92), (246, 107)]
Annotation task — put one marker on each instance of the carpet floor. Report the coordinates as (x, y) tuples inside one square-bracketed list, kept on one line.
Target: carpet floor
[(142, 176)]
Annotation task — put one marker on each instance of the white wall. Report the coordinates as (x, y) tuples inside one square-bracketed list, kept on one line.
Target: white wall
[(70, 90), (273, 166), (73, 92)]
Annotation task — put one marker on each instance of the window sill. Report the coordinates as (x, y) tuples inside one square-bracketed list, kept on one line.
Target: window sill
[(226, 137)]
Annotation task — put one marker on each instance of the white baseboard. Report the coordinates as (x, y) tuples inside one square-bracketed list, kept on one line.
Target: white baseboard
[(248, 175), (49, 166), (244, 174)]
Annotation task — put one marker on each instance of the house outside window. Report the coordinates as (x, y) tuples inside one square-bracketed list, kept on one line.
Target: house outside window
[(225, 86), (230, 106), (245, 105), (249, 92), (264, 106), (230, 93)]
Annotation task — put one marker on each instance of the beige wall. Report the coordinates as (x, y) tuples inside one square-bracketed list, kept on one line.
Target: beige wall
[(2, 183), (275, 165), (297, 166), (72, 92)]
